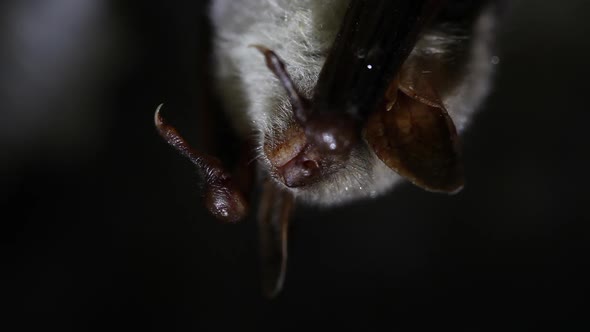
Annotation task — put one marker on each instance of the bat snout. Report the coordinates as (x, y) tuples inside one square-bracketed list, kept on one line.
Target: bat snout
[(285, 147), (292, 159), (299, 172), (298, 163)]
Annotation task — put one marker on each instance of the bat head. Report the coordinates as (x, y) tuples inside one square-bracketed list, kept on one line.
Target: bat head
[(412, 134)]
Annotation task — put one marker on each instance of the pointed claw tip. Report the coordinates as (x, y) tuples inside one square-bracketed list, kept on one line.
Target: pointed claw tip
[(158, 120)]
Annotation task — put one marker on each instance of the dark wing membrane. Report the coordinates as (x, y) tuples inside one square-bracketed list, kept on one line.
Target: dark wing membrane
[(375, 38)]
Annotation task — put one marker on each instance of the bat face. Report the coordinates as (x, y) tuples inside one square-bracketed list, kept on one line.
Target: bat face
[(412, 131), (342, 100)]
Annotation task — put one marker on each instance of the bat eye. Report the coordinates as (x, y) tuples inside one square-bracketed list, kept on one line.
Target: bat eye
[(331, 134)]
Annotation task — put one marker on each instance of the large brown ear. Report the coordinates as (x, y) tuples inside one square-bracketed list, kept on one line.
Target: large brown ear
[(412, 133)]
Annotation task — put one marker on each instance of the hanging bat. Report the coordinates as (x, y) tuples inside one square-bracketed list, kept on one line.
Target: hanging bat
[(344, 100)]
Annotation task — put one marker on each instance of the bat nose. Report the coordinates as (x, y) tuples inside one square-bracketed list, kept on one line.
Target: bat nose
[(300, 171)]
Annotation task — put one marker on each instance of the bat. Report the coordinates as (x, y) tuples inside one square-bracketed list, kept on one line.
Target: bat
[(340, 100)]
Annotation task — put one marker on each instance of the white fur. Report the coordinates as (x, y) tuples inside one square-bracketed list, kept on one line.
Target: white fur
[(301, 33)]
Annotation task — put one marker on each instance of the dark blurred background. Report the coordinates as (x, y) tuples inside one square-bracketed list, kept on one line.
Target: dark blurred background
[(104, 228)]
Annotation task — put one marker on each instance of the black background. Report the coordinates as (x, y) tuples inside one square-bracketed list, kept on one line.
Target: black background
[(104, 228)]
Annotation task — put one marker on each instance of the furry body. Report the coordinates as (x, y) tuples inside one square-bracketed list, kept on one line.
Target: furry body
[(301, 33)]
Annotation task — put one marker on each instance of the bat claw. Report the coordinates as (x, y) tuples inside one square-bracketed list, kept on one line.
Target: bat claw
[(157, 117)]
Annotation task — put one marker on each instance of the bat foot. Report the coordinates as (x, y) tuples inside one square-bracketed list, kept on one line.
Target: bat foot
[(222, 198)]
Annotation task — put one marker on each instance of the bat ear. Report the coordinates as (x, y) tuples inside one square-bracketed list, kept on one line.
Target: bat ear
[(420, 85), (412, 133)]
